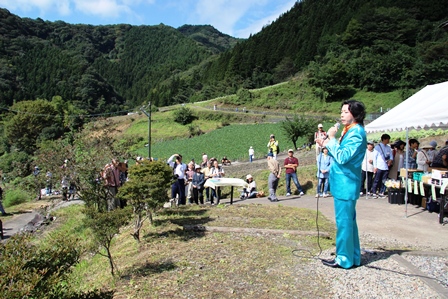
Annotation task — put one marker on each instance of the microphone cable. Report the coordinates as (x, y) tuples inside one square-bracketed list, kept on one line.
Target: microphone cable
[(311, 255)]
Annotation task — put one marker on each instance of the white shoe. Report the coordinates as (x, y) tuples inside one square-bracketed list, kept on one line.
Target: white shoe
[(288, 194), (361, 193), (325, 195), (301, 193)]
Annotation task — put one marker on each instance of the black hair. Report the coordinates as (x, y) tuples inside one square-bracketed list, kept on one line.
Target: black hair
[(412, 141), (357, 109), (385, 136)]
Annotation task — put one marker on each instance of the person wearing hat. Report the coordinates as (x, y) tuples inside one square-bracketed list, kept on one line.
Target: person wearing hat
[(274, 176), (320, 135), (423, 161), (251, 154), (197, 184), (432, 152), (251, 190), (367, 169), (273, 146), (291, 164)]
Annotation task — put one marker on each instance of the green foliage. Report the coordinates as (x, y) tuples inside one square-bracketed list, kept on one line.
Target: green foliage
[(105, 226), (28, 270), (146, 190), (15, 164), (299, 126), (183, 115), (12, 197), (24, 128)]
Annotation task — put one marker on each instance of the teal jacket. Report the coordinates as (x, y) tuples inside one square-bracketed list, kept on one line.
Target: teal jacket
[(345, 171)]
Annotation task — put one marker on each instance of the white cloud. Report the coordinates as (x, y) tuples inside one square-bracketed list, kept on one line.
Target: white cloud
[(227, 15)]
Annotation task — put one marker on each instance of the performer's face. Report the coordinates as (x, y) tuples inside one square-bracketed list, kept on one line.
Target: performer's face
[(346, 116)]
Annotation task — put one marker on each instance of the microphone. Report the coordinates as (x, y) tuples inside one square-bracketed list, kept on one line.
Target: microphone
[(337, 125)]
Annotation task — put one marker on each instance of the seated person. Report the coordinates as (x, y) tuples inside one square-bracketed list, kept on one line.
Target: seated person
[(251, 190), (225, 161)]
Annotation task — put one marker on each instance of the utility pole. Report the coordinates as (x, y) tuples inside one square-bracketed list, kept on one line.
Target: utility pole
[(148, 114)]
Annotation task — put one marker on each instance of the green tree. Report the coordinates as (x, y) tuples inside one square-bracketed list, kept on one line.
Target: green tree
[(183, 115), (105, 226), (29, 120), (146, 191), (299, 126)]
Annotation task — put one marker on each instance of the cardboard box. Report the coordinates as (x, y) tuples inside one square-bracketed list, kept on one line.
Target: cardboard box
[(439, 174), (410, 172)]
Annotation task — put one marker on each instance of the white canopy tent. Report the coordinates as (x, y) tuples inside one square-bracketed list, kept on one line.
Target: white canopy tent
[(427, 108)]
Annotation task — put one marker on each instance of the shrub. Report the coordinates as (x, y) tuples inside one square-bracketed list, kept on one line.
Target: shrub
[(183, 116), (14, 197)]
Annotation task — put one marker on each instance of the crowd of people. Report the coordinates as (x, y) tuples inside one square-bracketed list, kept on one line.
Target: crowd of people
[(384, 161)]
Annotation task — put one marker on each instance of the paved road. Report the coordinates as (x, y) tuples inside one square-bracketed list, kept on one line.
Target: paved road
[(378, 217), (17, 222)]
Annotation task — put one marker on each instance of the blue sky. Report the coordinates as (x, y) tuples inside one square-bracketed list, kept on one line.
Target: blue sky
[(238, 18)]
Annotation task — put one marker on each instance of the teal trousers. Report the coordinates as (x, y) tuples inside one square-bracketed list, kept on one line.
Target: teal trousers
[(348, 250)]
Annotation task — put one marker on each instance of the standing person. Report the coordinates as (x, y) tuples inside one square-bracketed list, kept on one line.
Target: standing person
[(398, 160), (216, 172), (111, 175), (49, 183), (367, 169), (382, 160), (251, 154), (2, 210), (441, 159), (188, 181), (204, 160), (273, 146), (319, 135), (178, 186), (348, 153), (291, 163), (432, 152), (423, 161), (198, 185), (412, 153), (274, 176), (206, 171), (323, 172)]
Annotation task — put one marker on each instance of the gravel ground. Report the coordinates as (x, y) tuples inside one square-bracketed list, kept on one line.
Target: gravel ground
[(390, 269), (383, 275)]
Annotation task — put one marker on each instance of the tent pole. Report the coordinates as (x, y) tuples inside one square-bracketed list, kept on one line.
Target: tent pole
[(407, 176)]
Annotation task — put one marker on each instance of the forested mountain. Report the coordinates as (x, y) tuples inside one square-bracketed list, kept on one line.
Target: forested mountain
[(341, 45), (98, 68), (378, 45)]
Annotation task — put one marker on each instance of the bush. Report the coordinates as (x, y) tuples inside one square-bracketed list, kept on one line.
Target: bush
[(15, 197), (183, 116)]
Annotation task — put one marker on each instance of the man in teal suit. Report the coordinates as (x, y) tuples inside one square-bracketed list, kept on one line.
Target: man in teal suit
[(345, 181)]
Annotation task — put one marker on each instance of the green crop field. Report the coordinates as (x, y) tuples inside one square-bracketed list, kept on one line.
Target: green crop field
[(232, 141)]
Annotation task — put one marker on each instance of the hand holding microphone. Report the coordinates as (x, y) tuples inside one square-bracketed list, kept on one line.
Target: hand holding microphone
[(333, 130)]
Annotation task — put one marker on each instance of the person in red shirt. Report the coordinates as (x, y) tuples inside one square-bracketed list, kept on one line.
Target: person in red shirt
[(291, 163)]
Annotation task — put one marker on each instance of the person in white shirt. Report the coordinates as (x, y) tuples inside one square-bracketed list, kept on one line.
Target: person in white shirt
[(382, 160), (216, 172), (367, 168), (251, 154), (178, 186)]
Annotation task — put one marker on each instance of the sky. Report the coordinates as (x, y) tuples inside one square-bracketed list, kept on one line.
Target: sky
[(237, 18)]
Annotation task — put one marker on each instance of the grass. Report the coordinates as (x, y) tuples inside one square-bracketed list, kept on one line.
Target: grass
[(173, 263)]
